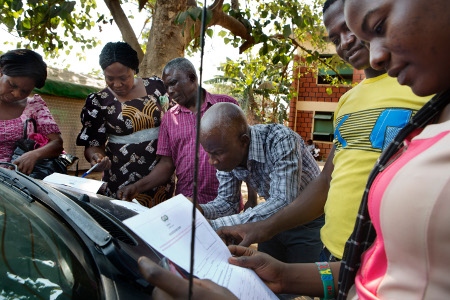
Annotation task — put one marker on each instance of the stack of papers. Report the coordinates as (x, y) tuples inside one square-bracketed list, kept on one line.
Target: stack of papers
[(76, 183), (167, 228)]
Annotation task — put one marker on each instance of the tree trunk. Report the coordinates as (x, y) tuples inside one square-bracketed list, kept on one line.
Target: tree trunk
[(251, 107), (166, 41)]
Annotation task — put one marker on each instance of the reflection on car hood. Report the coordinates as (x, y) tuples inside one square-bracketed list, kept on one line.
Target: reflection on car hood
[(97, 222)]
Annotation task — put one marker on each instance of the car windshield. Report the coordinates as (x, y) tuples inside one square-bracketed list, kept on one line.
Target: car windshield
[(40, 258)]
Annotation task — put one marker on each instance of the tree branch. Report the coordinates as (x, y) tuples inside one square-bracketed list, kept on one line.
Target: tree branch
[(224, 20), (128, 35)]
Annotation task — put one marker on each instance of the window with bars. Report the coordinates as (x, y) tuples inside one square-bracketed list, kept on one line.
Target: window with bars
[(323, 126), (344, 71)]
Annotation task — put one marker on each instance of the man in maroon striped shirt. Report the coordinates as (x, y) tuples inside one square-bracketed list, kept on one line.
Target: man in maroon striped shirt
[(176, 141)]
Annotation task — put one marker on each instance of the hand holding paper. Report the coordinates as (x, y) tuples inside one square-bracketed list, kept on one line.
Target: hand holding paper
[(167, 228), (169, 283)]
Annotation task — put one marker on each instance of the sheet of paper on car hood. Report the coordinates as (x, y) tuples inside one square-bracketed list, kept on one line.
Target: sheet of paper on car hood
[(78, 183), (167, 228)]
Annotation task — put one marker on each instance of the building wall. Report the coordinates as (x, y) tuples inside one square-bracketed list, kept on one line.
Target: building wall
[(312, 97), (66, 112), (65, 93)]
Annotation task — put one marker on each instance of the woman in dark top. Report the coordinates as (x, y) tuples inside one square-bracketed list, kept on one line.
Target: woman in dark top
[(121, 124)]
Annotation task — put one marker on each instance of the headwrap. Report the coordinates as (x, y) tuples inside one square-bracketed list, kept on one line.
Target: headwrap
[(24, 63), (119, 52)]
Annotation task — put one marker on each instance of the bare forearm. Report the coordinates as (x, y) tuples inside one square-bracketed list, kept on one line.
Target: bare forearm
[(304, 279), (158, 176), (284, 278), (52, 149), (307, 206)]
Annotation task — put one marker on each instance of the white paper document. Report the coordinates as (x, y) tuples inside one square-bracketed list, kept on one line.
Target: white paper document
[(167, 228), (78, 183)]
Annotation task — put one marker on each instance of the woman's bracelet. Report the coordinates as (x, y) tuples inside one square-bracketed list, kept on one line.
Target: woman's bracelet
[(327, 280)]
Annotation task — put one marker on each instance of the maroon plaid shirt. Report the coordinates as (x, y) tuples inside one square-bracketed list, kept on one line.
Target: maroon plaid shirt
[(177, 140)]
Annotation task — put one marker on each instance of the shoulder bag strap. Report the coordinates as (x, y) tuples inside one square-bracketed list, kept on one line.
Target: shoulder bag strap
[(25, 127)]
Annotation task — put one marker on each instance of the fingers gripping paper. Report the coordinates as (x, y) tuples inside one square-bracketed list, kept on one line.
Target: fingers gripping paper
[(167, 228)]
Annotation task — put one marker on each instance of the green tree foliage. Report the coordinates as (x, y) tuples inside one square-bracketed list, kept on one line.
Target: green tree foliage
[(260, 87), (277, 28), (276, 32), (269, 32), (52, 25)]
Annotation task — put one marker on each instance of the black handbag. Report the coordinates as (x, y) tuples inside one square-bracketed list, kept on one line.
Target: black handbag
[(46, 166)]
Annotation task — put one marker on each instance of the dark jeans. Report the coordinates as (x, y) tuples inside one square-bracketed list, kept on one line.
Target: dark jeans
[(301, 244), (325, 255)]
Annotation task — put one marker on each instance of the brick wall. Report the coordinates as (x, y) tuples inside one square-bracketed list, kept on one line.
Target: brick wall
[(315, 97)]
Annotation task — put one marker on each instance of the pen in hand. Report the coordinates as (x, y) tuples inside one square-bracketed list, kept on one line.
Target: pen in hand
[(89, 171)]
